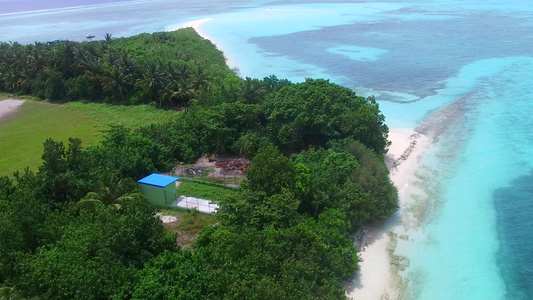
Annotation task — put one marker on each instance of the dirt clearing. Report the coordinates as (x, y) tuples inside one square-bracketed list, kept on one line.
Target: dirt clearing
[(9, 108)]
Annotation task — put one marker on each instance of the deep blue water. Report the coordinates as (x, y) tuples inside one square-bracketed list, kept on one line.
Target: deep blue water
[(514, 204), (416, 57)]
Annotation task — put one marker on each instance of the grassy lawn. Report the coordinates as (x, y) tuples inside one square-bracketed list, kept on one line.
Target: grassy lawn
[(194, 221), (4, 96), (189, 220), (203, 191), (22, 136), (228, 180), (188, 224)]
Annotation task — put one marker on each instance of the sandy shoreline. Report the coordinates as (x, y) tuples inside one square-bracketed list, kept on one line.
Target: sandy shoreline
[(197, 26), (373, 281), (381, 268), (9, 108), (378, 277)]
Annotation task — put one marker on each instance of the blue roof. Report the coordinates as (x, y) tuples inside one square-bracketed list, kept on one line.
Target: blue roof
[(158, 180)]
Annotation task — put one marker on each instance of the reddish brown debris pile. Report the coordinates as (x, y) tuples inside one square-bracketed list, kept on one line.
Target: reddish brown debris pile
[(234, 165)]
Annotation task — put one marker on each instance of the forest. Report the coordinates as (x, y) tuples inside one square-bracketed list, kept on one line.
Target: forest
[(171, 68), (78, 228)]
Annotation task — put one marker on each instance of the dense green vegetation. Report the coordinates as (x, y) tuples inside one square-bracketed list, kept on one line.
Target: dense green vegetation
[(171, 68), (78, 229), (36, 121)]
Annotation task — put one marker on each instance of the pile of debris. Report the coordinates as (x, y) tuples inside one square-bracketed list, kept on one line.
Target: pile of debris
[(216, 167), (194, 171), (233, 166)]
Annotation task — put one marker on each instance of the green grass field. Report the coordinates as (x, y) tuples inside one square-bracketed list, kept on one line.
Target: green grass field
[(203, 191), (22, 136)]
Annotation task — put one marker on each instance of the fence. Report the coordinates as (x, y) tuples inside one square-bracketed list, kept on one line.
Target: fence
[(201, 205), (186, 179), (208, 175)]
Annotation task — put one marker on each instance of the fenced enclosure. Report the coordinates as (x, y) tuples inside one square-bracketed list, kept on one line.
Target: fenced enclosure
[(201, 205)]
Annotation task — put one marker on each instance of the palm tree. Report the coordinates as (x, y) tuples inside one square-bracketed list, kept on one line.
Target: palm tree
[(109, 58), (93, 70), (11, 80), (110, 190), (183, 72), (127, 63), (116, 82), (152, 79), (108, 38), (64, 57), (24, 79), (167, 93), (80, 59), (95, 49), (200, 79), (253, 91), (16, 59), (166, 69), (37, 59), (180, 54), (184, 91)]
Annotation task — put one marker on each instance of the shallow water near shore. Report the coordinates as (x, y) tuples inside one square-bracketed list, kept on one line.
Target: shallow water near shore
[(474, 242), (474, 189)]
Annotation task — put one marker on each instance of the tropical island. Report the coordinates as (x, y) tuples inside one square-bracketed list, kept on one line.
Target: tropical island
[(76, 227)]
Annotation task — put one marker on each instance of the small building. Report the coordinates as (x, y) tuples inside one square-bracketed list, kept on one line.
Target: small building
[(159, 189)]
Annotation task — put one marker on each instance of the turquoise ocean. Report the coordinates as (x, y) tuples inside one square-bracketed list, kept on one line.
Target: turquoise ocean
[(415, 57)]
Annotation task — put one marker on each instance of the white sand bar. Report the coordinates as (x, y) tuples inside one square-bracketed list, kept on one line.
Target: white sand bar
[(9, 107), (197, 26), (373, 281), (201, 205)]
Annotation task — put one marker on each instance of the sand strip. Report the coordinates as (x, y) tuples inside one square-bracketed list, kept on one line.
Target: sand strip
[(9, 108), (197, 26), (380, 277), (376, 249)]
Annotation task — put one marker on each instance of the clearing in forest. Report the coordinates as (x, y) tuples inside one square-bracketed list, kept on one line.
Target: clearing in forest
[(23, 134)]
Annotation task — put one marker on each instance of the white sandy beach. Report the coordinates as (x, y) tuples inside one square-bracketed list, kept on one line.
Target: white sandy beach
[(197, 26), (9, 107), (374, 278)]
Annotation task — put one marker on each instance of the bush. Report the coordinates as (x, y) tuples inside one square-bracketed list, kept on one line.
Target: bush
[(54, 85)]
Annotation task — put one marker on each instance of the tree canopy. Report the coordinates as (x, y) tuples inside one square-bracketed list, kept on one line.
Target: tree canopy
[(168, 68), (316, 111), (79, 229)]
